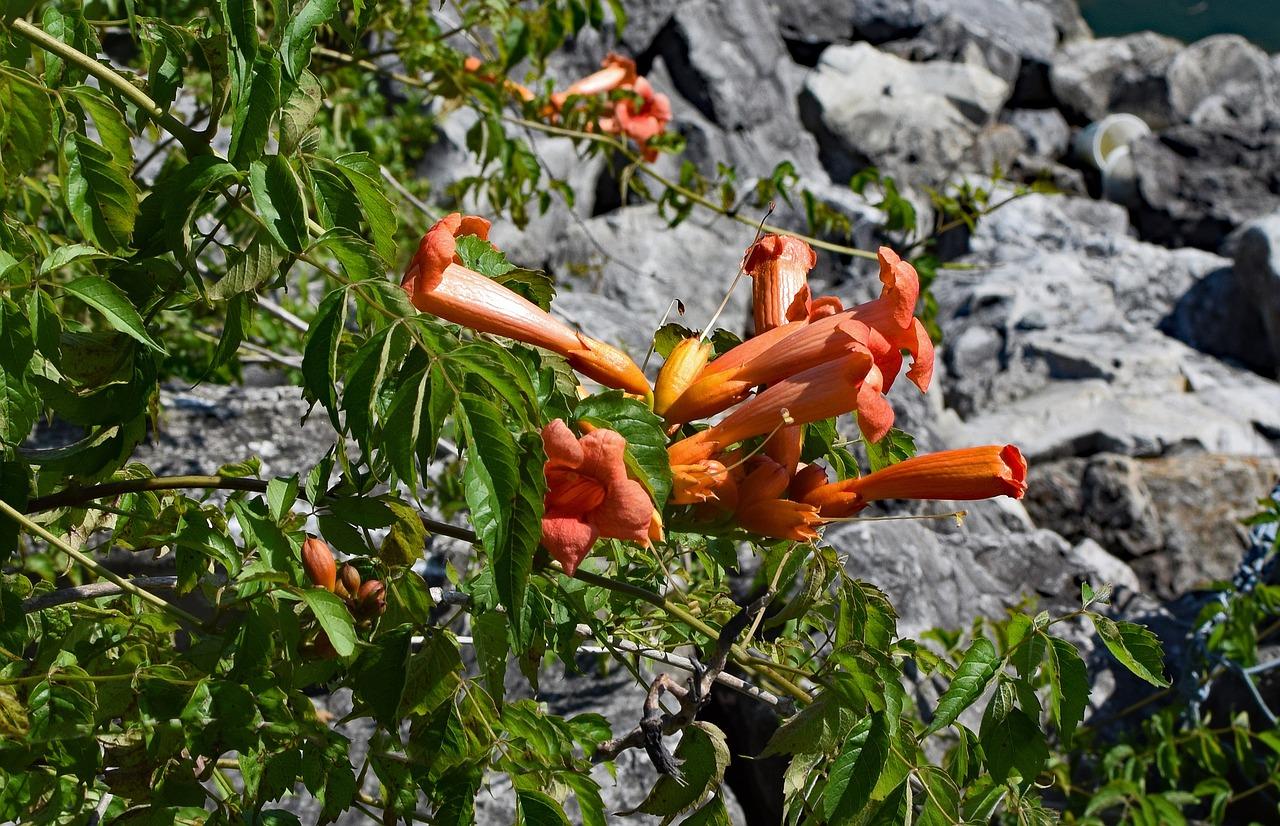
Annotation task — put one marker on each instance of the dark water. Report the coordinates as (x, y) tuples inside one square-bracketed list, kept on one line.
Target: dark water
[(1188, 20)]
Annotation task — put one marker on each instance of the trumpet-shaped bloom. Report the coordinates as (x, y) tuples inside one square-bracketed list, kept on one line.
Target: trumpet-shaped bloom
[(589, 494), (679, 371), (760, 509), (698, 481), (437, 283), (849, 382), (779, 268), (808, 346), (970, 473), (640, 116), (616, 72), (892, 315)]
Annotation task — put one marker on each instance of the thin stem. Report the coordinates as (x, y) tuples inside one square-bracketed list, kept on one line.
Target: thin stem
[(190, 139), (95, 566)]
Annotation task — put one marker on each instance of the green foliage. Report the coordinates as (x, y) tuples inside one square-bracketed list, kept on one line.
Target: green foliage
[(132, 252)]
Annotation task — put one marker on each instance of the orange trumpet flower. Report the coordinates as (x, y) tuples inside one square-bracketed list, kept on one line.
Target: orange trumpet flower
[(759, 509), (779, 268), (849, 382), (892, 315), (437, 283), (966, 474), (617, 72)]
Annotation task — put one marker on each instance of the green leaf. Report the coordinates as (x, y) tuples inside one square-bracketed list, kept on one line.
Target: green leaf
[(379, 675), (170, 47), (26, 126), (1011, 742), (254, 111), (941, 798), (1135, 647), (407, 539), (320, 352), (1069, 687), (643, 430), (110, 300), (402, 427), (893, 448), (62, 256), (101, 196), (504, 487), (278, 197), (282, 492), (855, 772), (109, 121), (811, 730), (538, 809), (704, 755), (489, 630), (357, 257), (974, 673), (165, 218), (241, 20), (711, 813), (483, 257), (366, 179), (298, 112), (257, 265), (334, 618), (15, 483), (233, 332), (300, 34)]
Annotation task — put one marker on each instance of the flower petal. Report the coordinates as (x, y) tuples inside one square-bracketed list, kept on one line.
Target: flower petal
[(568, 539), (562, 447), (625, 513)]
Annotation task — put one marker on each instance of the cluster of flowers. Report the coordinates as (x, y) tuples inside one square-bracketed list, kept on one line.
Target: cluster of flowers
[(636, 110), (365, 599), (809, 360)]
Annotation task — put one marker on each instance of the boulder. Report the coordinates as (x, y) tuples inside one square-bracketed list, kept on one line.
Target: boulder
[(1224, 81), (1093, 78), (1045, 131), (1257, 275), (1196, 184), (917, 121), (1174, 519)]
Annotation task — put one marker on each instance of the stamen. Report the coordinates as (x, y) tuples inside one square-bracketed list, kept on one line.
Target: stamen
[(786, 420), (958, 516)]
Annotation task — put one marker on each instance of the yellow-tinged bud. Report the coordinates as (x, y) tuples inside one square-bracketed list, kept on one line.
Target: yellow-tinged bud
[(680, 371)]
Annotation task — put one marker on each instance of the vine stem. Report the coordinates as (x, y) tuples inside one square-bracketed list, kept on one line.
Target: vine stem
[(95, 566), (190, 139)]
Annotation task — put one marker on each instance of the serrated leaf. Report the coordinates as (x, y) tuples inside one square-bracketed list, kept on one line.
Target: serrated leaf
[(101, 196), (366, 179), (811, 730), (358, 259), (299, 110), (282, 492), (483, 257), (63, 256), (333, 617), (704, 754), (241, 20), (109, 121), (278, 196), (27, 125), (489, 630), (379, 675), (711, 813), (643, 430), (169, 49), (1135, 647), (165, 217), (974, 673), (1069, 687), (299, 36), (402, 427), (254, 111), (896, 446), (539, 809), (114, 305), (854, 773), (941, 798), (320, 351), (407, 538), (1013, 741), (257, 265)]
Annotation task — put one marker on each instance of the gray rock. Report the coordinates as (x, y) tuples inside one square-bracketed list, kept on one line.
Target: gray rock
[(914, 120), (1175, 519), (1045, 130), (1053, 342), (1257, 273), (1093, 78), (1220, 316), (1224, 81), (1195, 185)]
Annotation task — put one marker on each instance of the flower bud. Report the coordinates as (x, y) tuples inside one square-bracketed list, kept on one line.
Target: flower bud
[(372, 598), (349, 579), (680, 371), (318, 563)]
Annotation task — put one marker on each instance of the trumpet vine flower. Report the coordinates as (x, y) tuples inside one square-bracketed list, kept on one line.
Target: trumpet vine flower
[(437, 283), (589, 494), (966, 474), (779, 268)]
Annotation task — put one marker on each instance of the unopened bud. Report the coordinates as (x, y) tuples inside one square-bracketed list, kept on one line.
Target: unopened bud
[(679, 372), (372, 598), (318, 563), (349, 577)]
